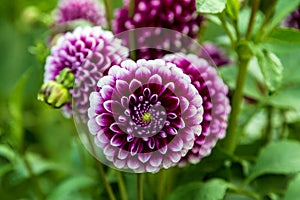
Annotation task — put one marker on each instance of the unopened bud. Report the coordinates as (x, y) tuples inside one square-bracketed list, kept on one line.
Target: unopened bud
[(54, 94)]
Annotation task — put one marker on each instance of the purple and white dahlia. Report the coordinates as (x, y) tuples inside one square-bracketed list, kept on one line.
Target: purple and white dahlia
[(89, 10), (214, 55), (293, 20), (89, 53), (154, 42), (145, 115), (215, 103)]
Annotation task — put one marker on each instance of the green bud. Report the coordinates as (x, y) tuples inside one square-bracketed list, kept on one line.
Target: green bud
[(66, 78), (54, 94)]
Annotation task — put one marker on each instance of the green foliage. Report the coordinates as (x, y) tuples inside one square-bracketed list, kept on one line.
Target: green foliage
[(293, 191), (271, 68), (282, 157), (210, 6), (214, 189), (233, 8)]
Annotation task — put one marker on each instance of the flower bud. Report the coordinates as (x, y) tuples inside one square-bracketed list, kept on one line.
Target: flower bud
[(54, 94)]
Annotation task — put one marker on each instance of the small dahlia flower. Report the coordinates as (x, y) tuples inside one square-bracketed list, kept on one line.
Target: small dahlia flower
[(145, 115), (215, 103), (293, 20), (89, 10), (88, 53), (177, 15), (214, 55)]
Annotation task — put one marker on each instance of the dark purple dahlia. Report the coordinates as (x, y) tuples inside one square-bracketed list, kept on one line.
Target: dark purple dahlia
[(177, 15), (214, 55), (293, 20), (88, 52), (145, 115), (89, 10), (215, 103)]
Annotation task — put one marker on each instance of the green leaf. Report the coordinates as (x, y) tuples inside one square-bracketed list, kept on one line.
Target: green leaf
[(214, 189), (286, 98), (237, 197), (282, 9), (271, 68), (232, 8), (68, 189), (281, 157), (210, 6), (293, 191), (285, 35), (15, 107), (7, 152)]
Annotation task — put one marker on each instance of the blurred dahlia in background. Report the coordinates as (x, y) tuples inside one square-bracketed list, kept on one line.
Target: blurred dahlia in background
[(215, 103), (177, 15), (214, 55), (293, 20), (88, 53), (89, 10)]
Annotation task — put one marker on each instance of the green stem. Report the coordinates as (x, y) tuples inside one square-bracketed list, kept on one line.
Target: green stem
[(139, 187), (121, 186), (255, 5), (108, 14), (99, 165), (268, 131), (235, 24), (284, 128), (131, 8), (106, 183), (162, 176), (34, 178), (230, 141), (226, 28), (132, 40)]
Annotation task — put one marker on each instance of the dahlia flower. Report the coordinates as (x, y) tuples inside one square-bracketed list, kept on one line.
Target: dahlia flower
[(88, 52), (214, 55), (293, 20), (145, 115), (89, 10), (177, 15), (215, 103)]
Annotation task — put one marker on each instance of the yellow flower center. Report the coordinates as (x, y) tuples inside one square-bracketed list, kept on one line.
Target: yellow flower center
[(146, 117)]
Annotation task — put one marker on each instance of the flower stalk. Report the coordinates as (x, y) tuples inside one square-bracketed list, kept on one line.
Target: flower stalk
[(244, 56), (108, 14), (122, 186), (140, 186)]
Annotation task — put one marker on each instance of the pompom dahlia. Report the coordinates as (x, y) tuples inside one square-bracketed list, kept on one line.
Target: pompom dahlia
[(145, 115), (215, 103), (88, 52), (89, 10), (214, 55), (293, 20), (177, 15)]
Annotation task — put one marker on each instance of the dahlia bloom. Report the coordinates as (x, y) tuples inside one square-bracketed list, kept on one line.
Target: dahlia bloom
[(215, 103), (293, 20), (89, 10), (177, 15), (214, 55), (88, 52), (145, 115)]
